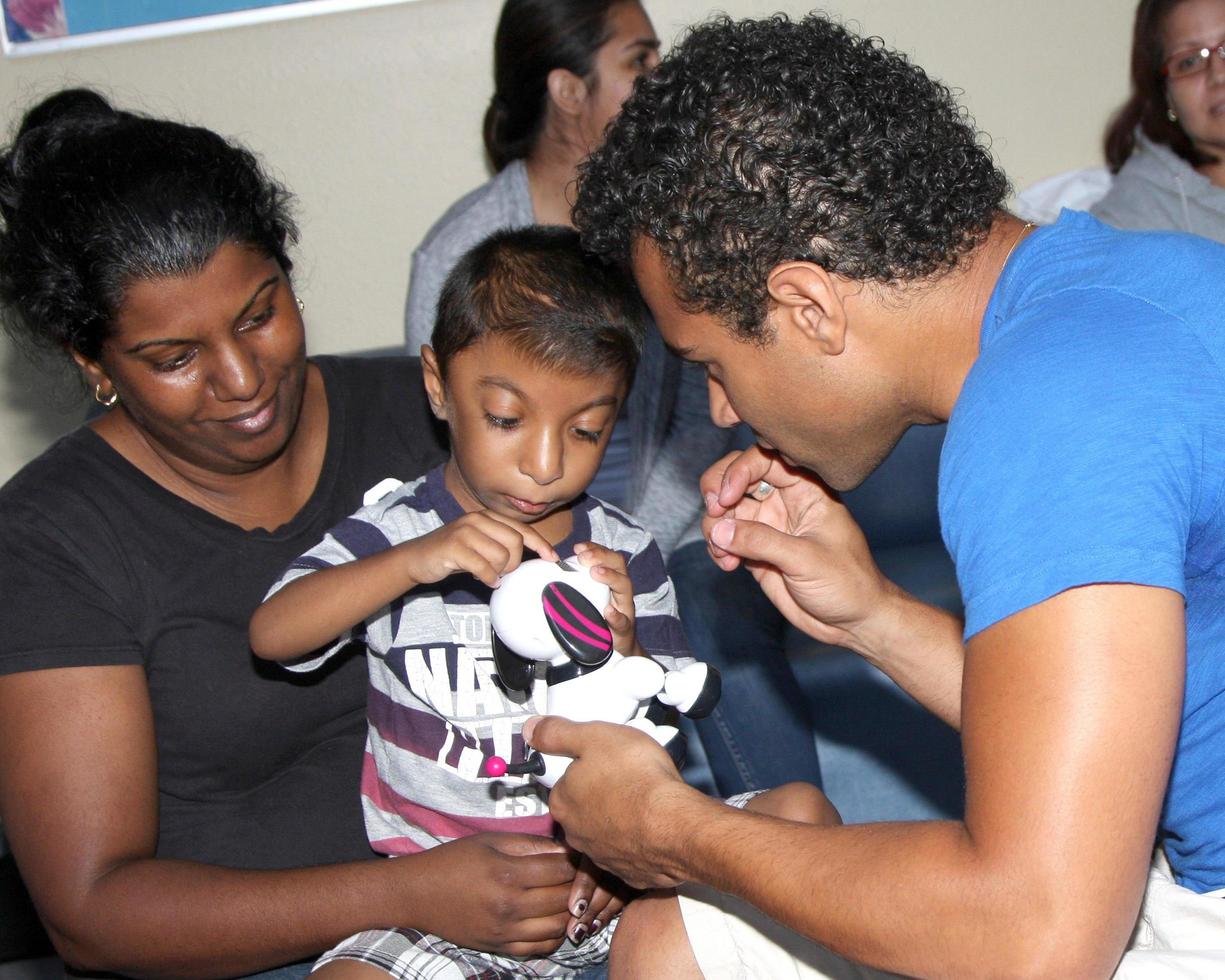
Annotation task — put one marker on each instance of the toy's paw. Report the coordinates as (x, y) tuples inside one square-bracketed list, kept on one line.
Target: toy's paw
[(638, 677), (671, 739), (693, 690)]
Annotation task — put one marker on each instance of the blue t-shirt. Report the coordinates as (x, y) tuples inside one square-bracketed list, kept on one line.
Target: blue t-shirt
[(1088, 445)]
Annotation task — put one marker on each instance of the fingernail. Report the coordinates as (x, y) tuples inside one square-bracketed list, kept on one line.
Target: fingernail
[(579, 908), (596, 926), (529, 727), (722, 533), (578, 935)]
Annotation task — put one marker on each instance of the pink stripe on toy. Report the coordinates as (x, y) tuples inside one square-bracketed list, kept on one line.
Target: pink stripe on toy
[(597, 642), (595, 628)]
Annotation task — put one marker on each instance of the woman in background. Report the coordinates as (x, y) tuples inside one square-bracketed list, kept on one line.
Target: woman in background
[(1165, 144), (562, 68), (561, 71)]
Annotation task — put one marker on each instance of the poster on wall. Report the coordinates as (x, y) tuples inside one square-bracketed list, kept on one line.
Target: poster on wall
[(39, 26)]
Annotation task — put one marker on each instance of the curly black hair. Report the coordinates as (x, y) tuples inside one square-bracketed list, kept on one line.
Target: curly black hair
[(93, 199), (761, 141)]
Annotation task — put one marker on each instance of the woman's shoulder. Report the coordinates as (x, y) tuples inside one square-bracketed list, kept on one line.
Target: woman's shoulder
[(65, 471), (379, 406), (374, 381), (504, 201)]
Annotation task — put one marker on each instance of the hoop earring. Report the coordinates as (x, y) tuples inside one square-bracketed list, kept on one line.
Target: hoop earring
[(107, 402), (1171, 115), (301, 305)]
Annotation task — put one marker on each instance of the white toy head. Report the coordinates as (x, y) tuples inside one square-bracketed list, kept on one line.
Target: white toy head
[(551, 612)]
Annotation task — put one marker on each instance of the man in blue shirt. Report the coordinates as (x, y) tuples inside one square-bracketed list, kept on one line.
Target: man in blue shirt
[(816, 221)]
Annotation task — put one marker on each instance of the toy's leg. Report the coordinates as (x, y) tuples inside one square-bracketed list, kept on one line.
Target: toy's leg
[(672, 739)]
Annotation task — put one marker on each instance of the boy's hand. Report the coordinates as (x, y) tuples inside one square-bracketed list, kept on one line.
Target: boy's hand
[(513, 900), (482, 543), (595, 898), (608, 566)]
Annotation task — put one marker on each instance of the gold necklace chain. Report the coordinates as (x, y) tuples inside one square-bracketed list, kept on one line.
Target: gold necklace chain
[(1025, 230)]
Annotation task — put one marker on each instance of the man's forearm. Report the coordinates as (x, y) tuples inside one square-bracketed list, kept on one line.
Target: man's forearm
[(912, 898), (919, 646)]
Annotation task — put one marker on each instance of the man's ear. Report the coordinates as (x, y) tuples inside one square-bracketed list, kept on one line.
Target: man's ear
[(806, 297), (435, 387), (566, 91)]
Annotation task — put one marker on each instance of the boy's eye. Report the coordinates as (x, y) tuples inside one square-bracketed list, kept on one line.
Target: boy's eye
[(500, 421)]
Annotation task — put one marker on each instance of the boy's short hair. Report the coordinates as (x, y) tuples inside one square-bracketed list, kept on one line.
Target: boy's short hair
[(553, 302)]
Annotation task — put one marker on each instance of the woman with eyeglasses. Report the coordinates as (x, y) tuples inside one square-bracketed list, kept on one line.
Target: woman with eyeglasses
[(1166, 145)]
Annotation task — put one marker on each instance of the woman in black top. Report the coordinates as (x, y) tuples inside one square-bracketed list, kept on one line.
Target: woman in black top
[(175, 807)]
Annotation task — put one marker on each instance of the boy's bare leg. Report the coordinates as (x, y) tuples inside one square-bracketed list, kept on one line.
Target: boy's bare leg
[(651, 941), (801, 802)]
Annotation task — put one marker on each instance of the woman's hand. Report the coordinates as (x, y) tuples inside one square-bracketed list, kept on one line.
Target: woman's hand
[(596, 897), (482, 543), (799, 542), (608, 566), (503, 893)]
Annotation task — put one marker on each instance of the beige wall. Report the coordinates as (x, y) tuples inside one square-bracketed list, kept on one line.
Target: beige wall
[(373, 118)]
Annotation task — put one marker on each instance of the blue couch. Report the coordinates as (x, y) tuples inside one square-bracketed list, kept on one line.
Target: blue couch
[(882, 755)]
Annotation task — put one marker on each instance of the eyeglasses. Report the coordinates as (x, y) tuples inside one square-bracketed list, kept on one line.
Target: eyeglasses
[(1191, 61)]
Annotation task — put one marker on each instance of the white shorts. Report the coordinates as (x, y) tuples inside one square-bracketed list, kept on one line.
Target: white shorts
[(1180, 934)]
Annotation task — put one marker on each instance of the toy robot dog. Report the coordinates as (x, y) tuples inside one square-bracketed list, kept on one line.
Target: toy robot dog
[(551, 613)]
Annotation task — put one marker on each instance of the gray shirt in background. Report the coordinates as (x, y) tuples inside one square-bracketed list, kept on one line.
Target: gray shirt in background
[(503, 202), (1157, 190)]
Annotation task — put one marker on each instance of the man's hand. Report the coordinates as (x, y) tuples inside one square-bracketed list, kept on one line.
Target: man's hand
[(799, 542), (514, 894), (614, 799)]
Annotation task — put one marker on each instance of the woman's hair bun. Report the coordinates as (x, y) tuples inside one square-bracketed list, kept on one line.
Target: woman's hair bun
[(69, 104)]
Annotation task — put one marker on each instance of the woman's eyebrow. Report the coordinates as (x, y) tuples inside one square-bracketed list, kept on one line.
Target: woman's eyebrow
[(270, 281), (171, 341)]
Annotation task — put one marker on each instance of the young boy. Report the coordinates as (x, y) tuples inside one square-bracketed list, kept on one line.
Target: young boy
[(532, 355)]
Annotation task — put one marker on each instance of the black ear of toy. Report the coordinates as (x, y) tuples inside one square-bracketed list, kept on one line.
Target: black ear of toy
[(577, 626), (515, 672)]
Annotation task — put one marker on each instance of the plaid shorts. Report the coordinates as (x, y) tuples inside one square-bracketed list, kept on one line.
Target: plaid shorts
[(406, 954)]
